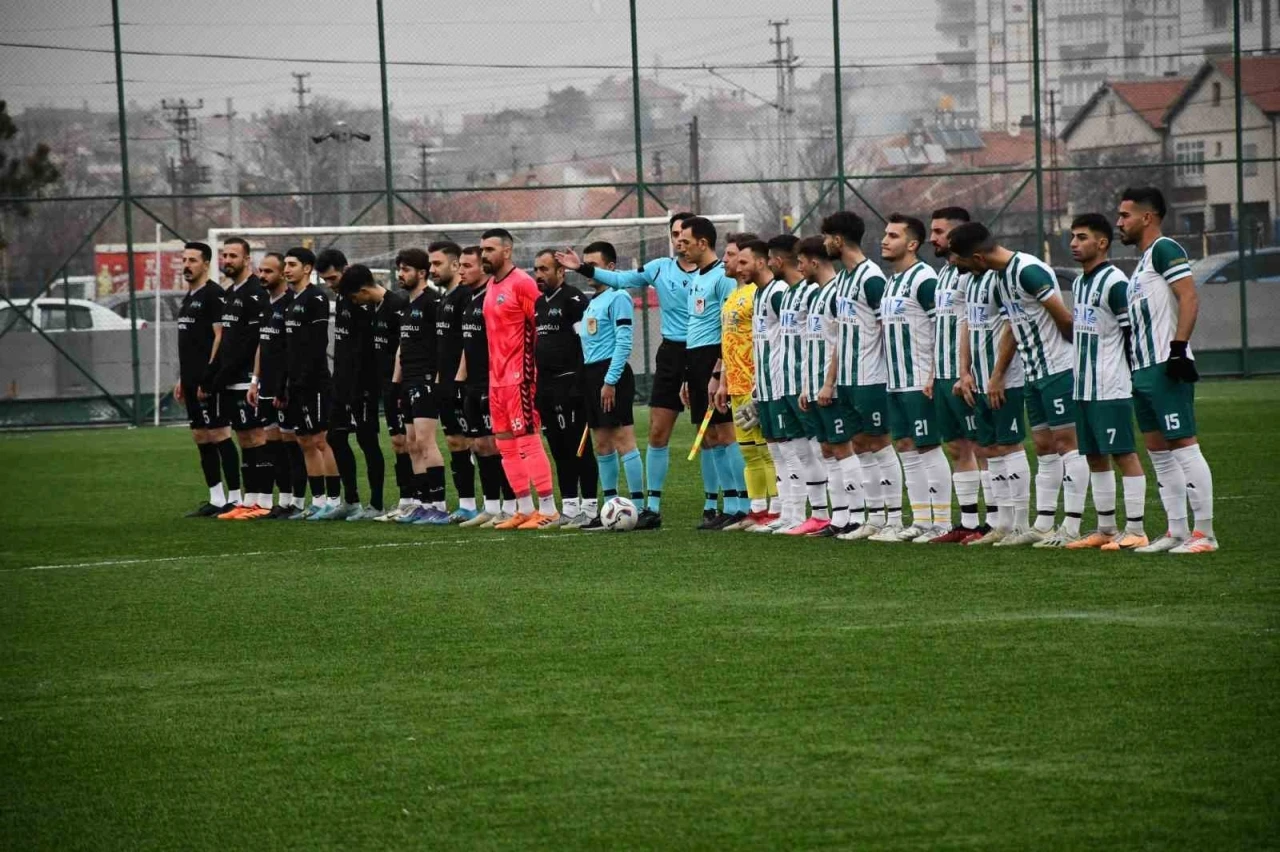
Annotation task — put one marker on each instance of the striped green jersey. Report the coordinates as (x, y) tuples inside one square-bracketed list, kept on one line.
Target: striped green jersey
[(821, 335), (861, 343), (985, 317), (1026, 283), (766, 339), (1153, 307), (794, 315), (1100, 318), (907, 313), (948, 300)]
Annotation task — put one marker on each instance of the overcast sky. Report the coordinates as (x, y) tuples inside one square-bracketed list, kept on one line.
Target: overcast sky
[(541, 33)]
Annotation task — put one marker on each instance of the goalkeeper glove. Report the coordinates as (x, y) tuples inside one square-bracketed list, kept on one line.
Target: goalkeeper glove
[(746, 417), (1180, 367)]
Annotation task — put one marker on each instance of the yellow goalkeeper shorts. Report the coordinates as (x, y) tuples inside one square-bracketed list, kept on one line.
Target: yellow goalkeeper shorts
[(745, 436)]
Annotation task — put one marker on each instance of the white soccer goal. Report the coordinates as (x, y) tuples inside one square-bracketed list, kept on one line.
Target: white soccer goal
[(636, 239)]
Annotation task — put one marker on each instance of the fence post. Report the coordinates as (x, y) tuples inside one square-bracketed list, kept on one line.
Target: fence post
[(1035, 109), (835, 36), (386, 127), (127, 195), (640, 188), (1244, 292)]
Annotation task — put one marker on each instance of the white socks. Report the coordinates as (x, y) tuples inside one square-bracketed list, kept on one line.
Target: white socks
[(989, 499), (872, 491), (1075, 487), (1135, 500), (1171, 481), (792, 487), (835, 487), (938, 475), (1199, 481), (967, 483), (999, 495), (815, 478), (851, 468), (890, 482), (1104, 499), (1048, 481), (218, 495), (1017, 472)]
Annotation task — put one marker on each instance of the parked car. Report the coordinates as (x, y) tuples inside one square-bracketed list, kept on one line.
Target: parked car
[(170, 304), (1262, 265), (56, 315)]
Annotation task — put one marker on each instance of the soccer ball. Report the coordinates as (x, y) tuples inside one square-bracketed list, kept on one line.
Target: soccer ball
[(619, 515)]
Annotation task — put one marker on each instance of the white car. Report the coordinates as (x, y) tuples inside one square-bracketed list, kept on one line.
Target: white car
[(51, 314)]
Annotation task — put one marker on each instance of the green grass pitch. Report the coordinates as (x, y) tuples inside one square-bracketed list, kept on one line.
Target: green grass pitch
[(184, 684)]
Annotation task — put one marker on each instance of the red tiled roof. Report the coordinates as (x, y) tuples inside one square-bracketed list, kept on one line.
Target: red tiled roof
[(1150, 99), (1261, 79)]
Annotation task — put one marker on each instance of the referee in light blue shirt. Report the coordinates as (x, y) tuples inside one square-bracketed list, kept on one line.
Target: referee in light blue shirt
[(608, 383), (669, 277)]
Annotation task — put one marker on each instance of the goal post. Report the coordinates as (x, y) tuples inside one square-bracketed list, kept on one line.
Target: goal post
[(636, 240)]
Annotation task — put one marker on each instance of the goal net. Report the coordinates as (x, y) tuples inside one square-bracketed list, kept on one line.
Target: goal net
[(636, 241)]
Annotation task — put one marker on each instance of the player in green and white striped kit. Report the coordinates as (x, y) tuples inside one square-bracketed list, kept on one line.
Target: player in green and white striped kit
[(818, 396), (907, 313), (1163, 305), (957, 423), (1041, 326), (862, 373), (1103, 390), (766, 343), (799, 451)]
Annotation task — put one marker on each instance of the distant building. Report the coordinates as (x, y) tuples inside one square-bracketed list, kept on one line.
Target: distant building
[(1207, 26), (612, 104)]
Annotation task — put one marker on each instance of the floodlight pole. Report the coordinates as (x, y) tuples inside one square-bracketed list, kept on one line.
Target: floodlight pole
[(127, 197)]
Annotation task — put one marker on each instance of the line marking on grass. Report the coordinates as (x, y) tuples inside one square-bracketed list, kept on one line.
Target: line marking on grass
[(1101, 617), (156, 560)]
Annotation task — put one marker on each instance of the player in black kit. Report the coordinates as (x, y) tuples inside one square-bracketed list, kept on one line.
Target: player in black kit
[(560, 402), (359, 285), (444, 257), (415, 372), (199, 336), (266, 391), (473, 375), (243, 303), (307, 383), (355, 395)]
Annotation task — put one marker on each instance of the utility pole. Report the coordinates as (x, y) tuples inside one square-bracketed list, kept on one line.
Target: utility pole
[(784, 65), (301, 90), (425, 152), (695, 166), (186, 173), (233, 168), (344, 136)]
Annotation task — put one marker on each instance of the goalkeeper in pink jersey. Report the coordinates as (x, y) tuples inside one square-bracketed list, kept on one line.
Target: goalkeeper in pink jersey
[(513, 335)]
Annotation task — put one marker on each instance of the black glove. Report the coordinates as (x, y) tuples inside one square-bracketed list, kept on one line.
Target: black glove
[(1179, 367)]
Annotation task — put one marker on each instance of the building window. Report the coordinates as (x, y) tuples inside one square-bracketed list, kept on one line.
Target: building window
[(1111, 109), (964, 41), (1246, 9), (1251, 153), (1217, 150), (1189, 163), (1219, 13), (1217, 94)]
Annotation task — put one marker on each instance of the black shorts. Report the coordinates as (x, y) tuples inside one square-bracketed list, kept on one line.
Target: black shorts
[(308, 411), (272, 417), (357, 416), (561, 406), (702, 363), (450, 399), (670, 372), (421, 399), (477, 422), (391, 410), (624, 397), (206, 414), (243, 416)]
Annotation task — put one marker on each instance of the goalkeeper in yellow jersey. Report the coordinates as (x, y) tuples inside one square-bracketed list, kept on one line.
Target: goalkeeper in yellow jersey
[(737, 382)]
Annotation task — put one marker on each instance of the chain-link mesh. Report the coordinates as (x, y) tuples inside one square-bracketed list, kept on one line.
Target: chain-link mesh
[(249, 115)]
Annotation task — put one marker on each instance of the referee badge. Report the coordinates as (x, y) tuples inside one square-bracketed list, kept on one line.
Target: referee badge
[(592, 325), (699, 305)]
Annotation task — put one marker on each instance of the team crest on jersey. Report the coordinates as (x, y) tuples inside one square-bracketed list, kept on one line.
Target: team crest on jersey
[(502, 299), (592, 325), (699, 305)]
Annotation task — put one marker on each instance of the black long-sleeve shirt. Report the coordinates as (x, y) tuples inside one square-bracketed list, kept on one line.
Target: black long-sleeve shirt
[(201, 311), (307, 339), (386, 334), (449, 331), (475, 340), (273, 356), (355, 369), (243, 307)]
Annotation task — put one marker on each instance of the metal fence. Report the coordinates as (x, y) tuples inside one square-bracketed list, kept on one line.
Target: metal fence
[(168, 119)]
